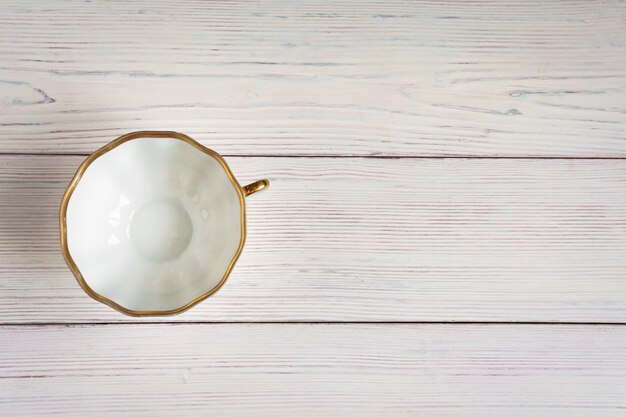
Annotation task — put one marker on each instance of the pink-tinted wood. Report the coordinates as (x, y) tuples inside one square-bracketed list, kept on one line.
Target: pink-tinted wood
[(313, 370), (343, 239), (427, 78)]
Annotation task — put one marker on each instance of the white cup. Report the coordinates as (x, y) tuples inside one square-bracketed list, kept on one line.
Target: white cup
[(153, 223)]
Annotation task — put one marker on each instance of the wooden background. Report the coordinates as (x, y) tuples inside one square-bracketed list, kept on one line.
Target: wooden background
[(445, 234)]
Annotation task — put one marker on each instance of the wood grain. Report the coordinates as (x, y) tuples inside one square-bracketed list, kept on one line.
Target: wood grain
[(361, 239), (378, 227), (313, 370), (488, 78)]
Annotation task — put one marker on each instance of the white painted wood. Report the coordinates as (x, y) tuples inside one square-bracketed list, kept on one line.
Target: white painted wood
[(496, 78), (334, 239), (364, 239), (313, 370)]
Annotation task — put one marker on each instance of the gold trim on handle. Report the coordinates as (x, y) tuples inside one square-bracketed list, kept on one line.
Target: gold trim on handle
[(156, 134), (255, 187)]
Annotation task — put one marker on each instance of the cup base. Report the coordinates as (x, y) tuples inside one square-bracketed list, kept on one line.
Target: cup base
[(161, 230)]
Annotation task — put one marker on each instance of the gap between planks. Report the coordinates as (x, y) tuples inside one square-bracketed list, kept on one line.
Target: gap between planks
[(305, 322), (339, 156)]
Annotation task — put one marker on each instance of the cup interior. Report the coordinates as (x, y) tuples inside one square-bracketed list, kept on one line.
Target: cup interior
[(154, 224)]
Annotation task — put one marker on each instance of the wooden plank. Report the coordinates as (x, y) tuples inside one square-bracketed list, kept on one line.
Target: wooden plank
[(362, 239), (489, 78), (313, 370)]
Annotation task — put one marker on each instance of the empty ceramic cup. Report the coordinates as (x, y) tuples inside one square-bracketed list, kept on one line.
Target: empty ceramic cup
[(153, 223)]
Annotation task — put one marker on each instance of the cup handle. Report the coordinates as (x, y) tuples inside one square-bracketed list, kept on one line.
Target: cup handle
[(255, 187)]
